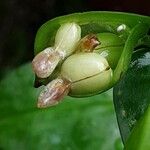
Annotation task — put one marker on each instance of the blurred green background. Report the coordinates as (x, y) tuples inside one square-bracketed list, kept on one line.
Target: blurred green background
[(75, 124)]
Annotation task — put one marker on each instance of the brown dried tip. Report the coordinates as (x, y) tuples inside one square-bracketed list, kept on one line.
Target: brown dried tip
[(45, 62), (53, 93), (88, 43)]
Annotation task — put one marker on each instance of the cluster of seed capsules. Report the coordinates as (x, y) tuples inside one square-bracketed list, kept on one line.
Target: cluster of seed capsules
[(76, 66)]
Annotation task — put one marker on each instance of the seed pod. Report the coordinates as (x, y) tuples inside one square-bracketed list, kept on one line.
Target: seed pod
[(112, 54), (111, 47), (89, 74), (66, 40), (109, 39)]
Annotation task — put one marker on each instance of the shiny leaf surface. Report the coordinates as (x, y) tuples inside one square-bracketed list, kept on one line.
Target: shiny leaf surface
[(132, 93)]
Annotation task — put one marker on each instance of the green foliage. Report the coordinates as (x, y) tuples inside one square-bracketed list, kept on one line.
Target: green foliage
[(87, 123), (132, 93), (140, 135)]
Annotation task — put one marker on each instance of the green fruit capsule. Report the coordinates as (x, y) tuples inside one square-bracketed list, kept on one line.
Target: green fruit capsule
[(108, 39), (112, 54), (110, 47), (89, 74)]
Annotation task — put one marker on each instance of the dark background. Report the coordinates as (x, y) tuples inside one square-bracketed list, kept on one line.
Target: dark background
[(20, 20)]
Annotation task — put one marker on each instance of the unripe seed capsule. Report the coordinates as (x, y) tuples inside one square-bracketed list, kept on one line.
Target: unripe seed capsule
[(112, 54), (89, 74), (109, 39), (111, 48), (92, 85)]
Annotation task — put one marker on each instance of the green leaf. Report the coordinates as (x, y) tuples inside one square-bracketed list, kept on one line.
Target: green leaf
[(75, 124), (132, 93), (140, 135)]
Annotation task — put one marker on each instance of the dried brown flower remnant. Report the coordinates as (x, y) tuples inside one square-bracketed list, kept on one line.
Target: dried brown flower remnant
[(45, 62), (88, 43), (53, 92)]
